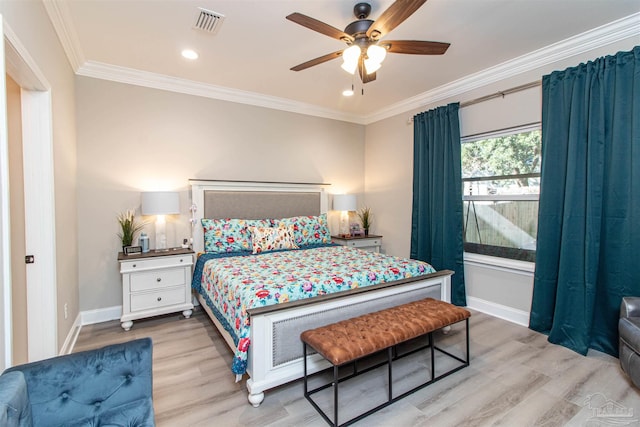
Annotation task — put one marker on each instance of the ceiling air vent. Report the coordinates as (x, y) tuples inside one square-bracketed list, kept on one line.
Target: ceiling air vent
[(208, 21)]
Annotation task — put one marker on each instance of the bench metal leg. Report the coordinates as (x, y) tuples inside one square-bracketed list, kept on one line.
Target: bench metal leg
[(304, 358), (389, 364), (391, 356), (335, 396), (433, 356)]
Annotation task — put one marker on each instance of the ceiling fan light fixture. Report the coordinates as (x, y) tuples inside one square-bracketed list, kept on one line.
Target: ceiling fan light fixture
[(350, 56), (376, 53), (371, 66), (349, 67), (347, 92)]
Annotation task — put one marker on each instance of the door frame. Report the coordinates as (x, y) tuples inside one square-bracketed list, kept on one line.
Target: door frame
[(40, 239)]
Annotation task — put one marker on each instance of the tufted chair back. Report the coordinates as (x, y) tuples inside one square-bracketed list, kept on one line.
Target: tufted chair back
[(107, 386)]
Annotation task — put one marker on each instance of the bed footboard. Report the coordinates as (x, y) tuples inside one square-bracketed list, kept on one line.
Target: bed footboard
[(275, 354)]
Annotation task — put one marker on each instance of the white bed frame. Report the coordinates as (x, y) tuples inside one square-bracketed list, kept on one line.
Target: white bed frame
[(264, 370)]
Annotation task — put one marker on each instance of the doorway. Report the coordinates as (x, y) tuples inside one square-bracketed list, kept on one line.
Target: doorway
[(39, 212)]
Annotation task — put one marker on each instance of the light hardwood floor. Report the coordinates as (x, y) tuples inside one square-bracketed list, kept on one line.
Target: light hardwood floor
[(516, 378)]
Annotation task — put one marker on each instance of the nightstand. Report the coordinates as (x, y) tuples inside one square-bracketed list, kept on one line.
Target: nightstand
[(155, 283), (368, 243)]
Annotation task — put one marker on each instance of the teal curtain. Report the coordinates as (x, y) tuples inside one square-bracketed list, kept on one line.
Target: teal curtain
[(436, 223), (588, 250)]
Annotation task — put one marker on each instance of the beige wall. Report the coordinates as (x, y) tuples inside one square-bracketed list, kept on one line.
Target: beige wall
[(389, 173), (30, 23), (133, 139)]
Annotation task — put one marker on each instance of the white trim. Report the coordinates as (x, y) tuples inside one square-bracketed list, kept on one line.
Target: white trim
[(501, 264), (601, 36), (620, 29), (40, 236), (529, 127), (501, 197), (513, 315), (6, 328), (60, 17), (21, 66), (135, 77), (72, 337), (37, 136), (100, 315)]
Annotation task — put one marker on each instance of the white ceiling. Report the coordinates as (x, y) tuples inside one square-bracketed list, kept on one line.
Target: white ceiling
[(250, 55)]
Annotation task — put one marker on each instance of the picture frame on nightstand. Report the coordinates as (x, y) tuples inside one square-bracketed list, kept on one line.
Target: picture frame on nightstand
[(132, 250), (356, 231)]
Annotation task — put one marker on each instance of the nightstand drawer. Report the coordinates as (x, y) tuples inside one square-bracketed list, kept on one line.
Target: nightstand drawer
[(363, 243), (151, 300), (155, 263), (157, 279)]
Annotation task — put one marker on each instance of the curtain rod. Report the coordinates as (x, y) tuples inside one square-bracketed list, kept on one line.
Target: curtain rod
[(500, 94)]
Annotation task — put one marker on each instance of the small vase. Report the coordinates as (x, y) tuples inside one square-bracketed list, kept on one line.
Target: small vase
[(366, 232)]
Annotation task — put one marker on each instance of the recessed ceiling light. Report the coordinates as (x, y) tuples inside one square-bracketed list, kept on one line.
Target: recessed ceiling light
[(189, 54), (347, 92)]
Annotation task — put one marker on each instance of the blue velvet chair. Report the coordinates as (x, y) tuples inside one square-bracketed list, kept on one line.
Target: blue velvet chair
[(107, 386)]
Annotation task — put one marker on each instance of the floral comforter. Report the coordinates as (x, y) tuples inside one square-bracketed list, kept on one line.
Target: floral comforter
[(233, 284)]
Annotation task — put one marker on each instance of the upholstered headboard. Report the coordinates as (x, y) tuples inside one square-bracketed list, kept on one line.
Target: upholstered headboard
[(252, 200)]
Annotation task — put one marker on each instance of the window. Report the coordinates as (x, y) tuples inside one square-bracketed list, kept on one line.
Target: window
[(501, 187)]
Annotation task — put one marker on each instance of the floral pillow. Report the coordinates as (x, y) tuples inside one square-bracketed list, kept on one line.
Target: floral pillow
[(307, 230), (229, 235), (265, 239)]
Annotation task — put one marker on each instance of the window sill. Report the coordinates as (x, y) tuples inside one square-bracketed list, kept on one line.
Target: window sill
[(502, 264)]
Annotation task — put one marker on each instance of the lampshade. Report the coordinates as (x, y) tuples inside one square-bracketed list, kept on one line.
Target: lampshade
[(375, 56), (160, 203), (376, 53), (371, 66), (350, 57), (344, 202)]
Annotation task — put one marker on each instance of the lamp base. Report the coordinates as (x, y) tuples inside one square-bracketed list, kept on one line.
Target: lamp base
[(344, 224), (161, 238)]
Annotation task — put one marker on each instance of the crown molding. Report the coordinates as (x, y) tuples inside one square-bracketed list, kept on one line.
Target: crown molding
[(60, 17), (598, 37), (163, 82), (601, 36)]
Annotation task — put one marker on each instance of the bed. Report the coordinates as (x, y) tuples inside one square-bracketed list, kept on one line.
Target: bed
[(270, 340)]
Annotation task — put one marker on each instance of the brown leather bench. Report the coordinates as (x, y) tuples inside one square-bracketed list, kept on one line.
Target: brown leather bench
[(348, 341)]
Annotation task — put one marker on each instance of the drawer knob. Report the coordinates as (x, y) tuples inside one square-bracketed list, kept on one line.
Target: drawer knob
[(159, 279), (181, 260), (159, 298), (134, 265)]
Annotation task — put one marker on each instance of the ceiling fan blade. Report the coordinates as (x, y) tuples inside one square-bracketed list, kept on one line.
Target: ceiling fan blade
[(366, 78), (414, 47), (316, 61), (392, 17), (319, 26)]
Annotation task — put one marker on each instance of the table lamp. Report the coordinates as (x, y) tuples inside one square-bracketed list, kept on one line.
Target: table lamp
[(344, 203), (160, 203)]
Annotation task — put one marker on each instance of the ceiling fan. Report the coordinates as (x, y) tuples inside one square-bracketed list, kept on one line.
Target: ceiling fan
[(366, 51)]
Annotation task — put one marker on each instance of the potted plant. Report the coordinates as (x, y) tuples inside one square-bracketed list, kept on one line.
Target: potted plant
[(128, 228), (365, 218)]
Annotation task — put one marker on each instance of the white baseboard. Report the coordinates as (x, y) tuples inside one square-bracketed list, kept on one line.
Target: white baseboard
[(99, 315), (500, 311), (88, 317), (72, 336)]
